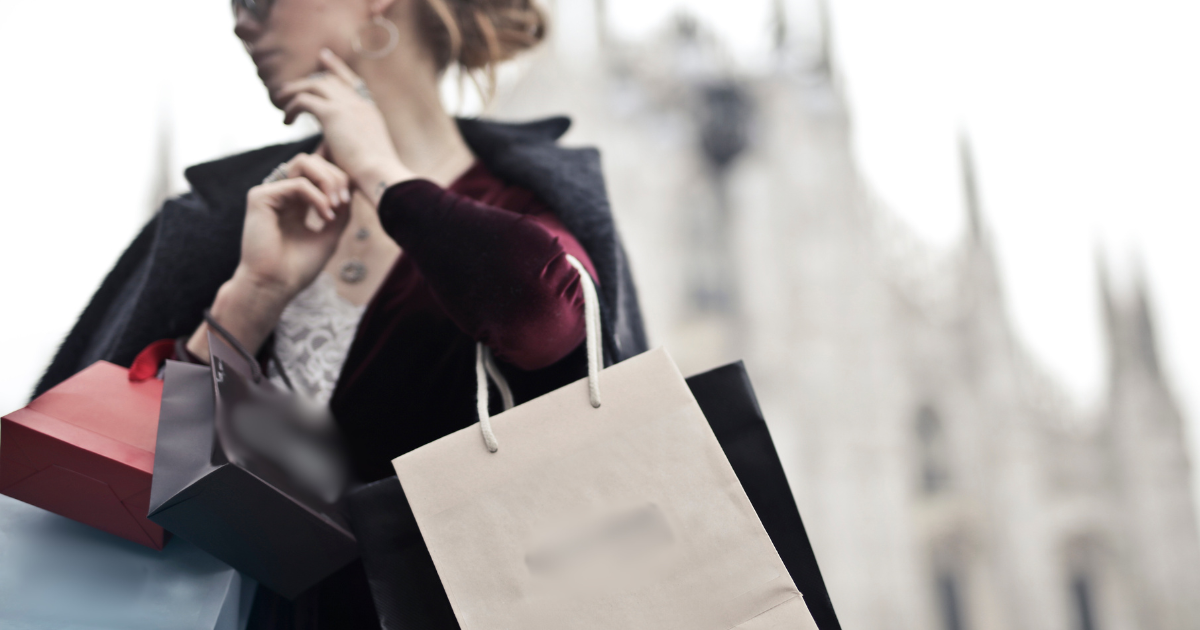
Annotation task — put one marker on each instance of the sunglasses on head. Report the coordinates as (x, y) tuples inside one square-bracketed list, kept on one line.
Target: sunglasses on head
[(257, 8)]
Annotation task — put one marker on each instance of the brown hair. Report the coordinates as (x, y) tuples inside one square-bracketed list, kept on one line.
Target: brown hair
[(479, 34)]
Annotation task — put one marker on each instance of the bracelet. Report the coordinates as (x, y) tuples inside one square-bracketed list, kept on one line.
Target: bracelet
[(256, 371)]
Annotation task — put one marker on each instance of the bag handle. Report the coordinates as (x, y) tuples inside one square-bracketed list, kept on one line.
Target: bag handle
[(485, 364), (255, 369)]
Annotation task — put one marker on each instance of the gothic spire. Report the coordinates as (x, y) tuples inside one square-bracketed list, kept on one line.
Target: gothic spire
[(1143, 321), (601, 16), (824, 64), (1107, 305), (970, 188), (779, 25), (1129, 322)]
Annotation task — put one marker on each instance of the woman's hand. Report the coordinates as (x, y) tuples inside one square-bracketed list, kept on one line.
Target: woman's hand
[(293, 225), (291, 231), (356, 135)]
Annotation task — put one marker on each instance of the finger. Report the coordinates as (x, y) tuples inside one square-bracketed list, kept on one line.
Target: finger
[(342, 177), (339, 222), (321, 86), (299, 190), (317, 224), (326, 154), (329, 178), (314, 222), (339, 68), (339, 179), (341, 182), (304, 102)]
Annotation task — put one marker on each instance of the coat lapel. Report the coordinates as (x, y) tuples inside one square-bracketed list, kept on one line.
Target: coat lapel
[(223, 183)]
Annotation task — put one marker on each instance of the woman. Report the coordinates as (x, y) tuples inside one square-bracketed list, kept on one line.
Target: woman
[(377, 253)]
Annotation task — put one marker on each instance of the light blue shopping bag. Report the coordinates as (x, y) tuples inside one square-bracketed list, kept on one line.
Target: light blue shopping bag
[(57, 574)]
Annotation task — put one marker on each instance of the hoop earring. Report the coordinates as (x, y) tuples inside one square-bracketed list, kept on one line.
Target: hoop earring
[(393, 34)]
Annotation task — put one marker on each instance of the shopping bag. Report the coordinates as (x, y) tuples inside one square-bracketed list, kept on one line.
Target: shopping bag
[(404, 582), (626, 514), (727, 399), (85, 450), (240, 474), (58, 574)]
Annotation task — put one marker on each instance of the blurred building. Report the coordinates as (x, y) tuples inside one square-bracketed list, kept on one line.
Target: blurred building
[(944, 482)]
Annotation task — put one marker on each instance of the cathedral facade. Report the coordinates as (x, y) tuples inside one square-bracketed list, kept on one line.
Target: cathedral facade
[(944, 481)]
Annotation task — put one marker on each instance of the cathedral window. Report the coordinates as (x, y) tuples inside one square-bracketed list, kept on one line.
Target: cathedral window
[(933, 450), (949, 592), (1082, 601)]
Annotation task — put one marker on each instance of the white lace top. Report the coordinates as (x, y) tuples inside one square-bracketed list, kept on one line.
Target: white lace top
[(313, 337)]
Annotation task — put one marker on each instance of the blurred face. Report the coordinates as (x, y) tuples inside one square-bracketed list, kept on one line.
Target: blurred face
[(284, 37)]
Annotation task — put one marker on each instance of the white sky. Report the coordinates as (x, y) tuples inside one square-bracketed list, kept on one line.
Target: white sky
[(1085, 119)]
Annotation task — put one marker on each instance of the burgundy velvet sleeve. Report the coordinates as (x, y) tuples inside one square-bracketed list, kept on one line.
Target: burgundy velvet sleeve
[(501, 275)]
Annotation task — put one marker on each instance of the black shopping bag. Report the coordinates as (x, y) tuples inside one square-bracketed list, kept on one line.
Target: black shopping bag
[(244, 472), (728, 402), (405, 585)]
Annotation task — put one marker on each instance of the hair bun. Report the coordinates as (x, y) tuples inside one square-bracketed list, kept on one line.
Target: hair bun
[(479, 34)]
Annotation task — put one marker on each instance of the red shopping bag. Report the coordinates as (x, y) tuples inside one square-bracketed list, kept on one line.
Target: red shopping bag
[(85, 450)]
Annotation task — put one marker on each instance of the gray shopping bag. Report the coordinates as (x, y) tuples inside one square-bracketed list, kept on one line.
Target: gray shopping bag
[(56, 573), (560, 514), (220, 490)]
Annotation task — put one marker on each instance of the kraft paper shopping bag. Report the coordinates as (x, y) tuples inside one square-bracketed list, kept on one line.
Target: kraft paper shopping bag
[(580, 511)]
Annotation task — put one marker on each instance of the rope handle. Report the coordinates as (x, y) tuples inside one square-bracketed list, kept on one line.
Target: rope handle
[(485, 364)]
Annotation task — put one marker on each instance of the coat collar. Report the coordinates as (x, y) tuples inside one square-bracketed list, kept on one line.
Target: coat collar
[(222, 183)]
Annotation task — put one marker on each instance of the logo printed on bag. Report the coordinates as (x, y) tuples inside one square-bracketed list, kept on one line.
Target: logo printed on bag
[(620, 541)]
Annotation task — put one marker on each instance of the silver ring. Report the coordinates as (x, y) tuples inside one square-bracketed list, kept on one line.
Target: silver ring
[(361, 88), (279, 173)]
